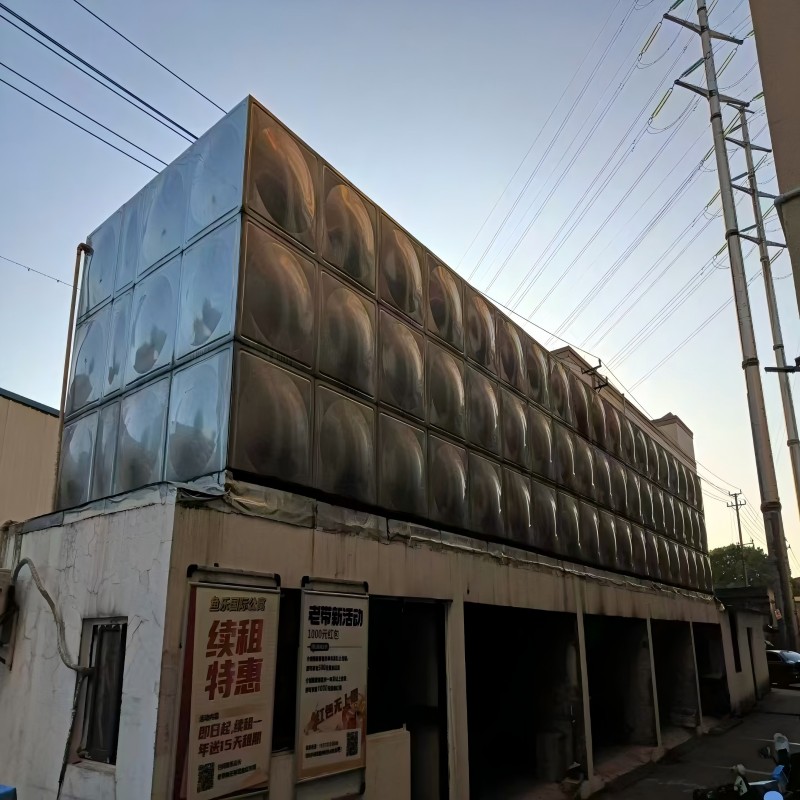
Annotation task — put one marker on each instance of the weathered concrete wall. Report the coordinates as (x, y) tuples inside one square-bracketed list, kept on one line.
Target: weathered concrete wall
[(114, 565), (754, 673)]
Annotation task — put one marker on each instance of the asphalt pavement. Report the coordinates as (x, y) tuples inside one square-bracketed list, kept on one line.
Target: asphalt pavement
[(707, 760)]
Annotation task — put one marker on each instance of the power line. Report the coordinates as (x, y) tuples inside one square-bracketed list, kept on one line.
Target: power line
[(148, 55), (72, 122), (154, 113), (525, 157), (83, 114), (38, 272)]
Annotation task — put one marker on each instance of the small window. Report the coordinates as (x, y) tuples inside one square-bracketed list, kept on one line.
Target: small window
[(102, 649)]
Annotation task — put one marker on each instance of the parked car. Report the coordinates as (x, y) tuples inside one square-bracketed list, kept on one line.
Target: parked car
[(784, 667)]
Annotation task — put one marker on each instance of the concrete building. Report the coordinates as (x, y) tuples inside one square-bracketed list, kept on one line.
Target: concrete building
[(28, 439), (331, 525), (776, 24)]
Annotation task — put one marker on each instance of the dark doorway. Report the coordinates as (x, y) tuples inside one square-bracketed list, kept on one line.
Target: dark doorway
[(523, 699), (756, 688), (676, 682), (407, 685), (620, 682), (714, 697)]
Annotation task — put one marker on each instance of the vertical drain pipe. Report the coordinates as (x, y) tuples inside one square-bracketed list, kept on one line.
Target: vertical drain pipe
[(81, 249)]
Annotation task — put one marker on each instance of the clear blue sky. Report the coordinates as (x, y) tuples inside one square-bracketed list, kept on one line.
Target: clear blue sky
[(429, 107)]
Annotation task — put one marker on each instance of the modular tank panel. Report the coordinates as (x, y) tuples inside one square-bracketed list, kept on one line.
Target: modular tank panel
[(251, 311)]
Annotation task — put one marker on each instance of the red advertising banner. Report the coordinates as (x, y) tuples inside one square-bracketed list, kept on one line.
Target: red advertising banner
[(233, 651)]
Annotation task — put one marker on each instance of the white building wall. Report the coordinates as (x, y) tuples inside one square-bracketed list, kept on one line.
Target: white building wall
[(110, 565)]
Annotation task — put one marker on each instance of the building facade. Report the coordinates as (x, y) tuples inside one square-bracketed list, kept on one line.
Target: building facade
[(329, 524)]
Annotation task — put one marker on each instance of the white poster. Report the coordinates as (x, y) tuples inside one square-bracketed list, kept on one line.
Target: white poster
[(233, 681), (332, 685)]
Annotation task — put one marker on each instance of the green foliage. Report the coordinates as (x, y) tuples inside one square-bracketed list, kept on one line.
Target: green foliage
[(726, 566)]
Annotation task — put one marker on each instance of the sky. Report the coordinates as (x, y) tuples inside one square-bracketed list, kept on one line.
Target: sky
[(512, 138)]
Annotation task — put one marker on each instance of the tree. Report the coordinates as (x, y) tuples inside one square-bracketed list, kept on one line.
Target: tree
[(726, 567)]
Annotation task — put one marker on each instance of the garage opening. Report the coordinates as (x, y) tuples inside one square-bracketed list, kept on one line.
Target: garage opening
[(620, 684), (714, 697), (407, 686), (676, 681), (524, 708)]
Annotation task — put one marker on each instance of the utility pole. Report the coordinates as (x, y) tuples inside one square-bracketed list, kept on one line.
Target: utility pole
[(772, 304), (765, 466), (737, 504)]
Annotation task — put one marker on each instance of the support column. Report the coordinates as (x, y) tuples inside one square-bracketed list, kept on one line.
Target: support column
[(696, 680), (587, 713), (457, 727), (656, 712)]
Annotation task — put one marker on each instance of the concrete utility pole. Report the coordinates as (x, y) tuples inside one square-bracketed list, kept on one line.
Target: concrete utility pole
[(772, 304), (737, 504), (765, 466)]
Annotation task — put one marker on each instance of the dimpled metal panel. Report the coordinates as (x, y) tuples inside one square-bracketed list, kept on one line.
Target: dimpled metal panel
[(608, 540), (216, 169), (140, 446), (89, 360), (538, 372), (114, 373), (105, 453), (208, 281), (130, 242), (447, 481), (101, 263), (590, 533), (348, 239), (580, 402), (613, 430), (402, 466), (446, 400), (598, 412), (619, 494), (483, 412), (624, 545), (517, 506), (197, 426), (652, 460), (646, 493), (669, 516), (282, 180), (680, 533), (347, 336), (641, 450), (651, 545), (400, 273), (584, 468), (564, 441), (559, 392), (77, 454), (515, 433), (634, 496), (602, 478), (480, 345), (485, 496), (401, 366), (445, 317), (639, 550), (345, 446), (543, 515), (628, 443), (279, 296), (569, 532), (164, 205), (541, 439), (510, 355), (658, 509), (266, 394), (153, 321)]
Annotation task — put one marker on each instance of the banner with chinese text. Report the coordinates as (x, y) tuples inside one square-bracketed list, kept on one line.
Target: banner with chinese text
[(233, 680), (332, 686)]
